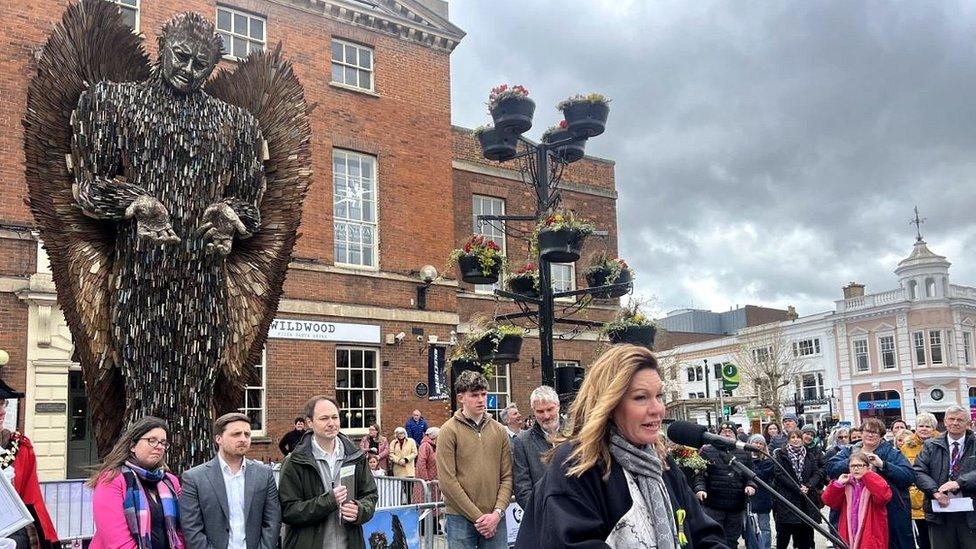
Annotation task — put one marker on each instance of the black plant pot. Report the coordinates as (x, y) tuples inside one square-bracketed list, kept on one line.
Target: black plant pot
[(523, 285), (587, 118), (471, 270), (561, 246), (508, 350), (636, 335), (498, 144), (514, 114), (570, 152), (599, 278)]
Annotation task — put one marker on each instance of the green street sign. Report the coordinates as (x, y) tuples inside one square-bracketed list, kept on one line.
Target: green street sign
[(730, 376)]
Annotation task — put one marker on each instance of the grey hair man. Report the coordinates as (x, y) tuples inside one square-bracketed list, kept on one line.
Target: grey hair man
[(527, 465), (945, 469), (512, 420)]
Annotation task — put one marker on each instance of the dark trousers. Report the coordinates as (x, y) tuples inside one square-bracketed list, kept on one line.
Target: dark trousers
[(953, 532), (922, 537), (731, 522), (801, 534)]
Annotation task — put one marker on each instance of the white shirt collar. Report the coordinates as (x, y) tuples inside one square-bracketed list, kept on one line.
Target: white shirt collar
[(961, 440), (225, 467)]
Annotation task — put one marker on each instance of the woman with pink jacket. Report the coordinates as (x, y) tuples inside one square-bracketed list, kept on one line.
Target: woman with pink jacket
[(136, 499), (426, 462)]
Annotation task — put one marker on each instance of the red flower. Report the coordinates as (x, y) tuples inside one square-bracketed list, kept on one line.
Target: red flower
[(563, 124)]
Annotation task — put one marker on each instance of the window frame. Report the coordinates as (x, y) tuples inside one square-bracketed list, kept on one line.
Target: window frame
[(229, 53), (935, 342), (572, 280), (478, 226), (137, 9), (374, 225), (920, 360), (501, 372), (814, 347), (857, 355), (967, 347), (347, 408), (883, 352), (263, 431), (343, 63)]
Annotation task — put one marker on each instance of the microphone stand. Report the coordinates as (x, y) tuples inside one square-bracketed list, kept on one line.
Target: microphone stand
[(749, 474)]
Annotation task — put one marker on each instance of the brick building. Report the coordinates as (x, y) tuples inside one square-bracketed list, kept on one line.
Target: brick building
[(394, 187)]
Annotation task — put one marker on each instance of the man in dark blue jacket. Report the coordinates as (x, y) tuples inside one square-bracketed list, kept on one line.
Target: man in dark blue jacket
[(416, 426), (722, 490)]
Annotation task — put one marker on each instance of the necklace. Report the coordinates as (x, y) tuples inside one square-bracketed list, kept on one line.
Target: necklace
[(7, 459)]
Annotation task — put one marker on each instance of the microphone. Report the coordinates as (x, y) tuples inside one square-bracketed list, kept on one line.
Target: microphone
[(694, 435)]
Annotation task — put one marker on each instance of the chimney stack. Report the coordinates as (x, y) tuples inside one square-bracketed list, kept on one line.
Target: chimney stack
[(853, 290)]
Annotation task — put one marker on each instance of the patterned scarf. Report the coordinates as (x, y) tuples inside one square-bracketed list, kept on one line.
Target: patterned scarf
[(136, 506), (648, 470), (797, 454)]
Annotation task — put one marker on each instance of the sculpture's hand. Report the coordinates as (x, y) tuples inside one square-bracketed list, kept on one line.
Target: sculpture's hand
[(220, 224), (152, 221)]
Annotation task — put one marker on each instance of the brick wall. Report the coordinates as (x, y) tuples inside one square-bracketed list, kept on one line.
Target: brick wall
[(424, 205)]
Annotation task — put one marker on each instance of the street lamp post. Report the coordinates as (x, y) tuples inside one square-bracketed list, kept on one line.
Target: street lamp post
[(543, 167)]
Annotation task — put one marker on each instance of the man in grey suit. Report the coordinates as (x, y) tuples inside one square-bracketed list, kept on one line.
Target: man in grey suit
[(531, 444), (230, 502)]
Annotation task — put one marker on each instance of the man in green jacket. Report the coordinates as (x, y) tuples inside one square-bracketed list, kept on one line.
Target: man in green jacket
[(326, 489)]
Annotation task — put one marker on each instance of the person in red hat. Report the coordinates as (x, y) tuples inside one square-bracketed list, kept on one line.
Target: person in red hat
[(19, 464)]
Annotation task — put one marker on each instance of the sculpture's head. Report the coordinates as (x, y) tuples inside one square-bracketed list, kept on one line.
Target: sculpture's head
[(189, 49)]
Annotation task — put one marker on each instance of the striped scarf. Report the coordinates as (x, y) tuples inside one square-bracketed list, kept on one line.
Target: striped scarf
[(136, 506), (797, 454)]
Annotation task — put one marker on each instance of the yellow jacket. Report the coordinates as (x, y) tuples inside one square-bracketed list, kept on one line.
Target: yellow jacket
[(403, 450), (911, 449)]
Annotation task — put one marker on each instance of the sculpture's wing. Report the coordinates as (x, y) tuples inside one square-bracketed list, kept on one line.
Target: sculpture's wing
[(399, 536), (90, 44), (265, 85)]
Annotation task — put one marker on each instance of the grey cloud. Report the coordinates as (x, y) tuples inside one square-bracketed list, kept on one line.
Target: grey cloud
[(826, 120)]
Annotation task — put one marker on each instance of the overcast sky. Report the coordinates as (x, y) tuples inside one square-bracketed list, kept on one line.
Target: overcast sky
[(766, 152)]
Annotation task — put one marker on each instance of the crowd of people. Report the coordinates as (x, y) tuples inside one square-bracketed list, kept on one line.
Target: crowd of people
[(603, 474)]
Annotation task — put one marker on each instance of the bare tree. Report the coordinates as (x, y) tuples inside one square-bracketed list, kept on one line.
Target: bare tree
[(766, 361)]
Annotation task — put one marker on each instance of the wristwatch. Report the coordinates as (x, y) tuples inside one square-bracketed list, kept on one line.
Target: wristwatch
[(500, 513)]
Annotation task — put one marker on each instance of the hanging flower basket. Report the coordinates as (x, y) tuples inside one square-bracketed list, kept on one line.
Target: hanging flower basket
[(570, 152), (604, 271), (479, 260), (586, 114), (524, 285), (500, 345), (511, 109), (459, 365), (635, 335), (560, 245), (473, 272), (631, 326), (525, 281), (560, 237), (497, 144), (604, 278)]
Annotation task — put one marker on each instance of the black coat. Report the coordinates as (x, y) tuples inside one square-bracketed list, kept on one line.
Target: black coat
[(813, 477), (580, 512), (932, 470), (762, 501), (725, 487)]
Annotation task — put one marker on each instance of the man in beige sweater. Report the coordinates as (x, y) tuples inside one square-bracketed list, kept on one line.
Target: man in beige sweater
[(474, 467)]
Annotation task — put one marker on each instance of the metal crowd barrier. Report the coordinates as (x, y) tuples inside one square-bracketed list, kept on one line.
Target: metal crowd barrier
[(70, 504)]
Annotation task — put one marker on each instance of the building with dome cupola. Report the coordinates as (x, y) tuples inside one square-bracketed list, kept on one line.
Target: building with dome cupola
[(890, 354)]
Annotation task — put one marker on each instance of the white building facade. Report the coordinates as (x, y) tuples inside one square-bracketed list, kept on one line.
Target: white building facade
[(889, 355)]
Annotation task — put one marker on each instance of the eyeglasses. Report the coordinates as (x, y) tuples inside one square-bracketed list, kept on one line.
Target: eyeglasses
[(857, 466), (155, 442), (842, 437)]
